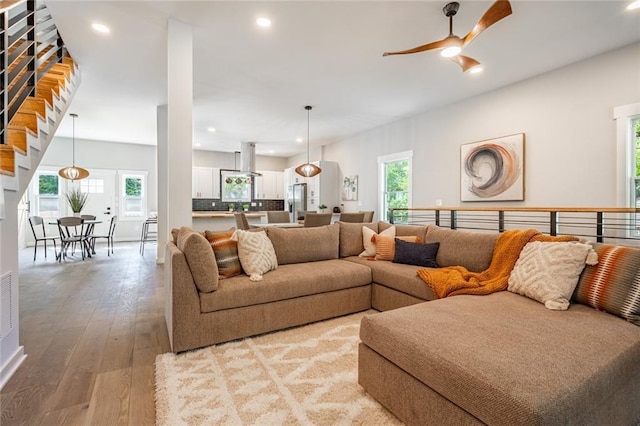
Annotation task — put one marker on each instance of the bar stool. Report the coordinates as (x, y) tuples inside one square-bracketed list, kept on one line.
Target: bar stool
[(148, 234)]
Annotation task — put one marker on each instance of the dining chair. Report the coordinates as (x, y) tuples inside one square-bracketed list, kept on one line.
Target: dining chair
[(67, 227), (36, 221), (278, 216), (352, 217), (301, 214), (108, 236), (148, 233), (368, 216), (241, 221), (317, 219)]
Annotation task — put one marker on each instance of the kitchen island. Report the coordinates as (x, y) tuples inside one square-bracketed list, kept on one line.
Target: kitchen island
[(222, 221)]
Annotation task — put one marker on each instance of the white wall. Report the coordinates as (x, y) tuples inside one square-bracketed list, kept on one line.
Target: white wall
[(108, 156), (566, 115)]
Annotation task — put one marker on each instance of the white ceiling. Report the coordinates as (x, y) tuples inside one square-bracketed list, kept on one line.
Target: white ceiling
[(251, 83)]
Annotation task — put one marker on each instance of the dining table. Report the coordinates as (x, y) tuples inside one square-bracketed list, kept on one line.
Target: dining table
[(87, 246)]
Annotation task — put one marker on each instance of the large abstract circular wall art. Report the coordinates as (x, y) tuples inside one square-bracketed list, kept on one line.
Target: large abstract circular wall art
[(493, 170)]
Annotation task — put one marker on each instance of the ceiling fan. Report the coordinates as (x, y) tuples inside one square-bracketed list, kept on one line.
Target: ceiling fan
[(452, 44)]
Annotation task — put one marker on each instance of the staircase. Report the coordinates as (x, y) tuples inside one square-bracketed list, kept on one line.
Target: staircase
[(38, 85)]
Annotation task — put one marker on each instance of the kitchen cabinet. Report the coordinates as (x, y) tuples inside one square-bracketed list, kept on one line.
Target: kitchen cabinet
[(269, 186), (205, 182)]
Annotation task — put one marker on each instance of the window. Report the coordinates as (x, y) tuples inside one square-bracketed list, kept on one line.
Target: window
[(92, 186), (395, 185), (628, 160), (236, 186), (133, 195), (635, 141), (47, 195)]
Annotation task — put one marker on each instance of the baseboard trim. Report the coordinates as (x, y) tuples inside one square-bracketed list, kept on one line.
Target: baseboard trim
[(11, 366)]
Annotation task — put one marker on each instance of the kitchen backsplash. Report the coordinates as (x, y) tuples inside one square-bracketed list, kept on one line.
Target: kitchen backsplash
[(205, 204)]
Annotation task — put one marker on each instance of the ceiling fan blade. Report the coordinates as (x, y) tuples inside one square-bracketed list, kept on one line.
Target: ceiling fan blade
[(430, 46), (498, 10), (465, 62)]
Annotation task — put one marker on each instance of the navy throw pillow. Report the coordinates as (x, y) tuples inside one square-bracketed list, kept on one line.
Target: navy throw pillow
[(416, 253)]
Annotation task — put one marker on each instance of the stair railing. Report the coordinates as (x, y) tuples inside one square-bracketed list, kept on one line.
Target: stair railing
[(600, 224), (30, 45)]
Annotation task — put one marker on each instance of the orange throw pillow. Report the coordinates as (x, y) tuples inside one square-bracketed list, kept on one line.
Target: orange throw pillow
[(386, 246)]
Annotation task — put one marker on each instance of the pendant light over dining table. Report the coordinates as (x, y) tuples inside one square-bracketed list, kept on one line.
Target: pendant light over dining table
[(308, 169), (73, 173)]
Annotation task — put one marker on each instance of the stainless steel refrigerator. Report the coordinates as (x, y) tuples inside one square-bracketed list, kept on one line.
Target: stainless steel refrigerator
[(299, 200)]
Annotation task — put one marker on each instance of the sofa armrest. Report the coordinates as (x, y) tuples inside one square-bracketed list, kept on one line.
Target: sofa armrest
[(182, 301)]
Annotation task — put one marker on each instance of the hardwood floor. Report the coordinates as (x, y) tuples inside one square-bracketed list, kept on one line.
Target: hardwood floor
[(91, 330)]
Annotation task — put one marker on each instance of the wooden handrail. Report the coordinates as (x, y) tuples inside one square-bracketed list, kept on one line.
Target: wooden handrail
[(530, 209), (599, 223)]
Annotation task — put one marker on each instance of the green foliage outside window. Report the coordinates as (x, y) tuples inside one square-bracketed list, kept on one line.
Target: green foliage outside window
[(48, 185), (133, 187), (396, 188), (636, 127)]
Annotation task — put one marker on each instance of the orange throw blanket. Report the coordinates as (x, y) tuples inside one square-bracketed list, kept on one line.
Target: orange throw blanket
[(455, 280)]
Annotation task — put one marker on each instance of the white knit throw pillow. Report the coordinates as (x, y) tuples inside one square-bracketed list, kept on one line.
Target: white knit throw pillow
[(256, 253), (549, 272)]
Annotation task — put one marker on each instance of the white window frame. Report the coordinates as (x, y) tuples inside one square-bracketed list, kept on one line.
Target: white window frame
[(626, 157), (382, 161), (144, 201), (34, 207)]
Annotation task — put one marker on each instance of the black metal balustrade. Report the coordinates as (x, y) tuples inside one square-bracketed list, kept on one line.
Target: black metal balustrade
[(29, 46), (615, 225)]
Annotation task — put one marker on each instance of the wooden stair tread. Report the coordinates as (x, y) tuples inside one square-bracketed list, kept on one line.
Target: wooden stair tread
[(7, 160), (17, 137)]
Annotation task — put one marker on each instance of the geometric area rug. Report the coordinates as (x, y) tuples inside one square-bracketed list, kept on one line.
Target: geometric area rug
[(300, 376)]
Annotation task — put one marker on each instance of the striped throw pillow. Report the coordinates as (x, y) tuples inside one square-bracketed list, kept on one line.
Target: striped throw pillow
[(613, 285), (386, 246), (226, 252)]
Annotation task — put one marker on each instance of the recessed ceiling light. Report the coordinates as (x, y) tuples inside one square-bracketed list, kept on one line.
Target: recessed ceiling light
[(299, 140), (263, 22), (197, 145), (475, 70), (634, 5), (211, 129), (100, 28)]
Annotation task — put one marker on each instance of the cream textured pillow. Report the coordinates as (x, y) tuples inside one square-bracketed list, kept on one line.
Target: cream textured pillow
[(256, 253), (549, 272), (368, 240)]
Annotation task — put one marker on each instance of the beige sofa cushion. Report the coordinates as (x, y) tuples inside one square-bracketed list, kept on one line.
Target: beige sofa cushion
[(297, 245), (397, 276), (351, 237), (200, 258), (286, 282), (405, 230), (473, 250), (507, 360)]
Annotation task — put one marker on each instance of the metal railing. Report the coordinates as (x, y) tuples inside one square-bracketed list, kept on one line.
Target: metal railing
[(602, 224), (29, 46)]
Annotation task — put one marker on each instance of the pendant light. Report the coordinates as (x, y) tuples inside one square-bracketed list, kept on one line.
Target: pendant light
[(73, 173), (308, 169)]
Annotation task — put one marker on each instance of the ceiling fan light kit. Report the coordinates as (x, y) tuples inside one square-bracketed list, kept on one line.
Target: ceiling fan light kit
[(451, 46)]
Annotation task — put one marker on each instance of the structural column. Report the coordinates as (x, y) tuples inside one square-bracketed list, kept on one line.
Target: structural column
[(174, 186)]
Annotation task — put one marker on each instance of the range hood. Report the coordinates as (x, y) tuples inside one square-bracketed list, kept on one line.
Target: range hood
[(248, 158)]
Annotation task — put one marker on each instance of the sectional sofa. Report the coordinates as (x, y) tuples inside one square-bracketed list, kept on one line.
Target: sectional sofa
[(496, 359)]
